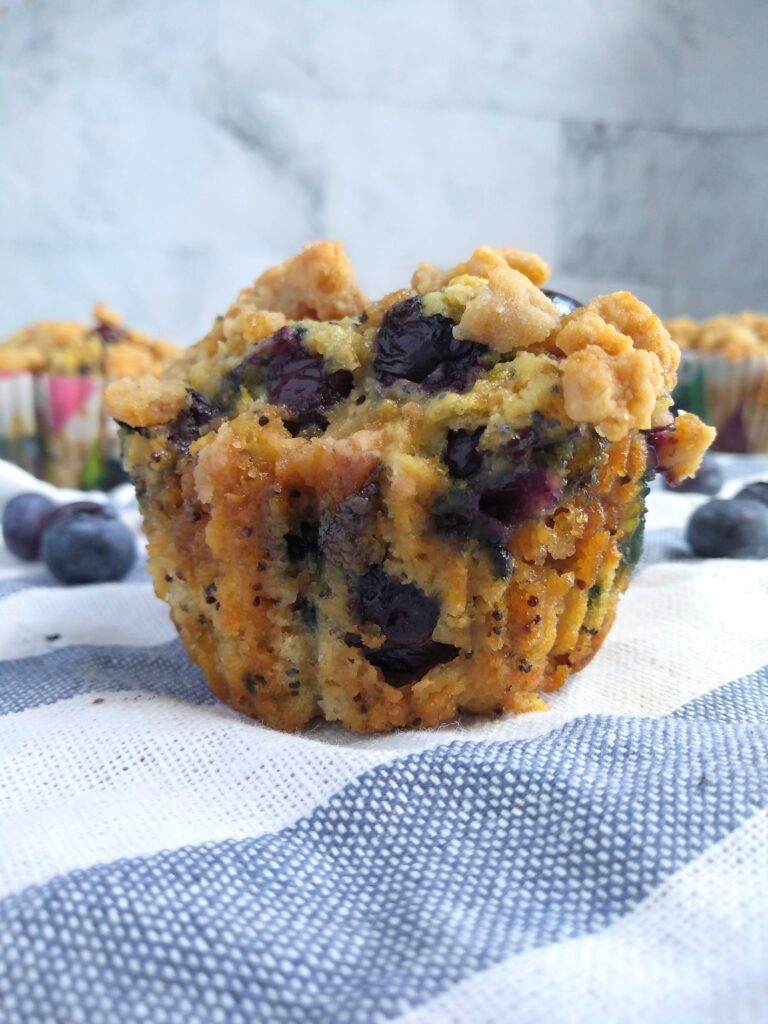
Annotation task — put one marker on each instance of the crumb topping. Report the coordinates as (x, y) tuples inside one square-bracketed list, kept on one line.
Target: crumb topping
[(509, 313), (317, 284), (484, 260), (681, 449), (145, 401), (740, 336)]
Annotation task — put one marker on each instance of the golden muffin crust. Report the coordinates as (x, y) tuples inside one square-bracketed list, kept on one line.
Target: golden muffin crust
[(388, 515)]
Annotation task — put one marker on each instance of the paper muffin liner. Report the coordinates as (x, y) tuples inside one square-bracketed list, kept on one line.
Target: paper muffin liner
[(731, 395), (19, 433), (79, 445)]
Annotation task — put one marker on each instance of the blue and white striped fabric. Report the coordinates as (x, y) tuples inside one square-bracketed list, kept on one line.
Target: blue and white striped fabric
[(163, 859)]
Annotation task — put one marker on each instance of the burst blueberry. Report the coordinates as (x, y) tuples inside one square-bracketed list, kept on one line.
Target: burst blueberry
[(423, 350)]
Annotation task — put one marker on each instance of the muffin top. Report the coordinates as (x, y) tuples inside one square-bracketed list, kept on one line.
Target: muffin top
[(68, 348), (734, 337), (480, 344)]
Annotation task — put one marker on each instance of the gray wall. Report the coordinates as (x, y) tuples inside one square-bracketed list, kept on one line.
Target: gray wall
[(160, 153)]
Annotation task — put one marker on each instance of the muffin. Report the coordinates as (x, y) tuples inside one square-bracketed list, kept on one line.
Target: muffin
[(52, 421), (724, 376), (388, 513)]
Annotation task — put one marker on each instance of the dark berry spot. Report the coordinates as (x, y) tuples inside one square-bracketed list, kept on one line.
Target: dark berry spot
[(564, 303), (187, 426), (401, 665), (533, 601), (524, 666), (109, 333), (306, 610), (303, 543), (407, 617), (462, 455), (344, 536), (263, 421), (294, 378), (252, 681), (422, 349)]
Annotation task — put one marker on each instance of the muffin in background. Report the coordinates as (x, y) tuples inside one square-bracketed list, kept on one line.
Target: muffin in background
[(723, 376), (52, 375), (387, 513)]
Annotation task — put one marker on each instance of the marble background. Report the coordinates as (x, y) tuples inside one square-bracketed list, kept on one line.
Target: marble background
[(160, 153)]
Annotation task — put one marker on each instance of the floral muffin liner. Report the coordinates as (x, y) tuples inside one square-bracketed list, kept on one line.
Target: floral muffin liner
[(56, 428)]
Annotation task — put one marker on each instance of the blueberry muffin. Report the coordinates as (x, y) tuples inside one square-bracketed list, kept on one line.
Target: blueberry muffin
[(386, 513), (52, 374), (724, 376)]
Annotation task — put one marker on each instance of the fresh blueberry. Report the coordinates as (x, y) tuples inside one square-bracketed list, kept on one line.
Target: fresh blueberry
[(708, 479), (462, 455), (73, 507), (729, 529), (422, 349), (186, 427), (407, 617), (87, 546), (24, 521), (564, 303), (757, 491)]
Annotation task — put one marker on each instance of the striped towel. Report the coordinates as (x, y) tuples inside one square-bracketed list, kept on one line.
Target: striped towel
[(164, 859)]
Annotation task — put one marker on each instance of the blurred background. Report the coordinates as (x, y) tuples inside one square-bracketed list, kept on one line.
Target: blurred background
[(159, 155)]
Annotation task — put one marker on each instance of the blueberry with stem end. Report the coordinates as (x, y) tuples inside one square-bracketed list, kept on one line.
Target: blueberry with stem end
[(88, 546)]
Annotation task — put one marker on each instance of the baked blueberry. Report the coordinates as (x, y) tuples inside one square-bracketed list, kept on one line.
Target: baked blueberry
[(564, 303), (422, 349), (462, 454), (24, 520), (292, 377), (729, 529), (187, 426), (88, 546)]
